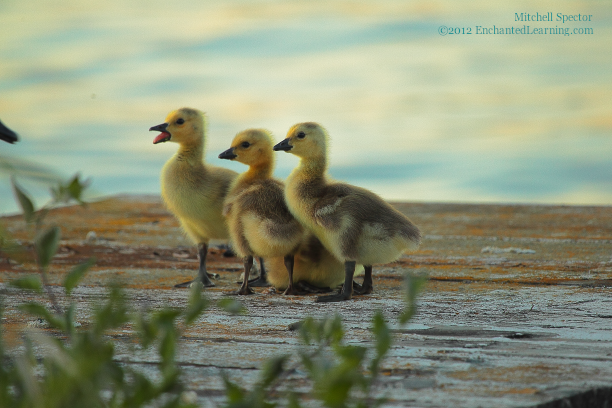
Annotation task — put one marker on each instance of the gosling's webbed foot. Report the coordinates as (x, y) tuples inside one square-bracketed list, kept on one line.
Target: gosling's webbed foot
[(347, 289), (364, 289), (338, 297), (259, 282), (292, 291), (306, 288), (184, 284)]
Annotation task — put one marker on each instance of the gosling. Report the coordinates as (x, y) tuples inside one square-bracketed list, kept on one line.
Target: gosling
[(259, 222), (7, 134), (192, 190), (315, 269), (354, 224)]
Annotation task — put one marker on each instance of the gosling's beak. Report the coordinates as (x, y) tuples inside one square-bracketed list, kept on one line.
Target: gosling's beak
[(228, 154), (164, 136), (284, 145), (7, 134)]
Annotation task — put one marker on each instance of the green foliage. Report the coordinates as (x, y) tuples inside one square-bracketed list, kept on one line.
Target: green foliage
[(46, 246), (341, 375), (79, 366), (72, 190), (24, 201), (83, 371), (31, 282), (231, 306), (76, 274), (413, 285)]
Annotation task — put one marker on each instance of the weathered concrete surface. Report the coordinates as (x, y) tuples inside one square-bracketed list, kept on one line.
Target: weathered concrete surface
[(496, 327)]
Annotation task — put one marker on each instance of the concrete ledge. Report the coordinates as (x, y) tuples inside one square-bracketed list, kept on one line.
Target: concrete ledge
[(516, 311)]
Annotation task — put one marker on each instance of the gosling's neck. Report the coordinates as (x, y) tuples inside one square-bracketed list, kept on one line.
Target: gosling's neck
[(312, 168), (190, 153), (259, 171)]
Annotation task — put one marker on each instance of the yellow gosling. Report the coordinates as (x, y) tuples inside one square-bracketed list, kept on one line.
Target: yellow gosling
[(259, 222), (192, 190), (315, 269), (354, 224)]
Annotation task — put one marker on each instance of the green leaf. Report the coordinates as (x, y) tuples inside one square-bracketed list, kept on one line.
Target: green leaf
[(352, 356), (24, 202), (294, 401), (232, 306), (196, 305), (233, 392), (75, 188), (412, 286), (333, 330), (44, 313), (147, 331), (64, 192), (31, 282), (272, 368), (46, 245), (76, 273), (382, 334)]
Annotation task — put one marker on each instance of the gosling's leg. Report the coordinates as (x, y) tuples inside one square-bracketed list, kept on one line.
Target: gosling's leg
[(245, 289), (203, 276), (366, 287), (262, 280), (347, 288), (289, 262)]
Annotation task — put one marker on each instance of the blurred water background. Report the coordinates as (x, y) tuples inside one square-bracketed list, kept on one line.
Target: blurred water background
[(413, 115)]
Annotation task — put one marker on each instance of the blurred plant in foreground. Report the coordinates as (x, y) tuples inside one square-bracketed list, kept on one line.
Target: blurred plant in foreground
[(79, 366), (340, 375)]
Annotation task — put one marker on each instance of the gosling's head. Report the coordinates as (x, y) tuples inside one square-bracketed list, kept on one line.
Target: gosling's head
[(184, 126), (252, 147), (305, 140)]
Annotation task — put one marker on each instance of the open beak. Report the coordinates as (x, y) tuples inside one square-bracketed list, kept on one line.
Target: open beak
[(284, 145), (7, 134), (164, 136), (228, 154)]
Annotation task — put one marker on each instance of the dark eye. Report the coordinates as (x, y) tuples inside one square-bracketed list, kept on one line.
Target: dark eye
[(245, 144), (301, 135), (180, 121)]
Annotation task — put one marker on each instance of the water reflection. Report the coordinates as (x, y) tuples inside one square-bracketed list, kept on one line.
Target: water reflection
[(413, 115)]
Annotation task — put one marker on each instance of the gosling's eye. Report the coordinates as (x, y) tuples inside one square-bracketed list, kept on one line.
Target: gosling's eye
[(301, 135), (245, 144), (180, 121)]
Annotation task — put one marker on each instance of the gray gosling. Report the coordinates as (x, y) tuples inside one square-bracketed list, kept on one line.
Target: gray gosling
[(192, 190), (354, 224), (259, 222)]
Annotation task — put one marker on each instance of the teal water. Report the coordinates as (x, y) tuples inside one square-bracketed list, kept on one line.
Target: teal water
[(413, 115)]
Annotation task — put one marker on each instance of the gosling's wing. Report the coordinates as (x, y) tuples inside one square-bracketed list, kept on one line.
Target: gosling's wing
[(7, 134), (328, 209)]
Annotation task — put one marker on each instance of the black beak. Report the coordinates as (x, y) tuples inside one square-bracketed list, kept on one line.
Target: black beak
[(164, 136), (284, 145), (228, 154), (160, 128), (7, 134)]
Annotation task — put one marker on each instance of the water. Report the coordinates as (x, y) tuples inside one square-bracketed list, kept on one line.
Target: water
[(413, 115)]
